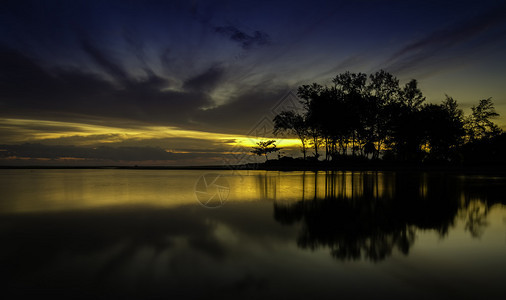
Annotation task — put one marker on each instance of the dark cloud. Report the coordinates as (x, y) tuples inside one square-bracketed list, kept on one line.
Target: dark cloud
[(173, 144), (434, 46), (243, 113), (32, 91), (94, 140), (166, 59), (247, 41), (99, 153), (135, 45), (111, 68), (29, 90), (26, 85), (177, 152), (206, 81), (38, 128), (21, 77)]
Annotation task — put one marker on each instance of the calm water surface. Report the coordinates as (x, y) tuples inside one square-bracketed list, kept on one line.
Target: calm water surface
[(288, 235)]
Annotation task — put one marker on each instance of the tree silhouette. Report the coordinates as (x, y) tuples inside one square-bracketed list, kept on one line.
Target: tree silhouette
[(264, 148), (383, 89), (369, 116), (307, 93), (406, 124), (444, 129), (411, 96), (479, 124), (293, 123)]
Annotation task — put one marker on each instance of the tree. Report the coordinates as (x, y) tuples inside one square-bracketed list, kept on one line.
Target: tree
[(317, 101), (351, 88), (383, 89), (350, 83), (370, 114), (444, 129), (292, 123), (406, 123), (479, 125), (264, 148), (411, 96)]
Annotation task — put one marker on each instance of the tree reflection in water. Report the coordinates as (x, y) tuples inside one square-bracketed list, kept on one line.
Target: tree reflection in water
[(368, 215)]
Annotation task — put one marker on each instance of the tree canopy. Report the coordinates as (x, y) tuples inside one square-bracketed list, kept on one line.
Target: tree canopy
[(374, 117), (265, 147)]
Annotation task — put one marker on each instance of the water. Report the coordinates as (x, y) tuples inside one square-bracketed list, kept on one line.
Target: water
[(256, 234)]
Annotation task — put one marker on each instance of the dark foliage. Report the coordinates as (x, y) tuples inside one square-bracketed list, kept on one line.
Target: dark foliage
[(375, 118), (360, 217)]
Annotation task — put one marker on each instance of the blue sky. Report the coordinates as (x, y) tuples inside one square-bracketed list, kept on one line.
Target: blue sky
[(164, 74)]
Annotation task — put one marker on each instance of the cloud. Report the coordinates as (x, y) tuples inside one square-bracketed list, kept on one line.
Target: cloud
[(172, 144), (243, 112), (5, 125), (104, 62), (27, 89), (436, 47), (36, 154), (246, 41), (206, 81), (100, 153), (30, 90)]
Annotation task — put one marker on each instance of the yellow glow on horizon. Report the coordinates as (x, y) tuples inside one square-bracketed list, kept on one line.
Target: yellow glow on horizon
[(282, 143), (112, 134)]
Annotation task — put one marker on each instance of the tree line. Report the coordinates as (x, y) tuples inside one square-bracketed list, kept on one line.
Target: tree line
[(374, 117)]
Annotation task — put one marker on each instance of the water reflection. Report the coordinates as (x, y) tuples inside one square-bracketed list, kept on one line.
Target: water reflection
[(272, 239), (369, 214)]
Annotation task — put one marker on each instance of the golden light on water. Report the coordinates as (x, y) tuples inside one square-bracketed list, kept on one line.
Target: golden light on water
[(55, 190)]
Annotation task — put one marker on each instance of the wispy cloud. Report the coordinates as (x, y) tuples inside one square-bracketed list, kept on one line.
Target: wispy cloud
[(110, 67), (206, 81), (31, 153), (446, 42), (245, 40), (29, 90), (100, 153)]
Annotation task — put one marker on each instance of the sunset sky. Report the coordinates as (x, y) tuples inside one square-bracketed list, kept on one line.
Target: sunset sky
[(198, 82)]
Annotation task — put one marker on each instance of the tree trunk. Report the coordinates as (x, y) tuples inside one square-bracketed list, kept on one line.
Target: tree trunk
[(353, 144), (315, 141)]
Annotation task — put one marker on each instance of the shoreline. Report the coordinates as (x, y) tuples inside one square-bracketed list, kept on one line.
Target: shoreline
[(373, 167)]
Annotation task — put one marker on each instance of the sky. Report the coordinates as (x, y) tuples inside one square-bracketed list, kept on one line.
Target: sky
[(198, 82)]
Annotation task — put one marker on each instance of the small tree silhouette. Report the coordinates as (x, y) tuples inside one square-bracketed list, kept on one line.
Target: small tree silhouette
[(265, 147)]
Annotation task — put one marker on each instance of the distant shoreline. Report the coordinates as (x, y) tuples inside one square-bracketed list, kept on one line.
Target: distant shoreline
[(361, 167)]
